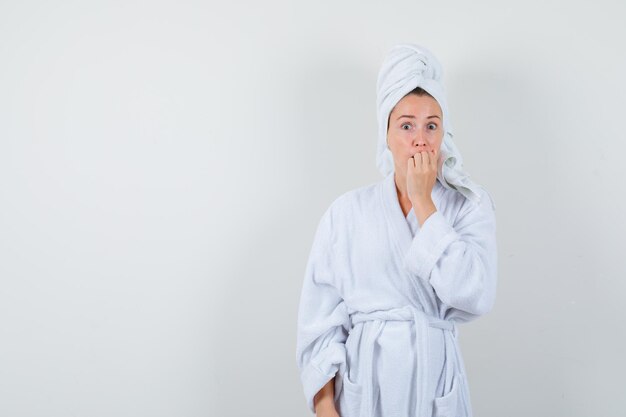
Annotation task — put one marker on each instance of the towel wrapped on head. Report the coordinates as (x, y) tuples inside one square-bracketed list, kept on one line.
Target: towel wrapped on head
[(406, 67)]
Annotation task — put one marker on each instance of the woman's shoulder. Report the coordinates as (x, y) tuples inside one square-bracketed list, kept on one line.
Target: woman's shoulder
[(357, 197), (482, 206), (350, 203)]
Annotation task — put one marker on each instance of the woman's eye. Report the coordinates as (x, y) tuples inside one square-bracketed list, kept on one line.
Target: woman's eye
[(434, 126), (407, 125)]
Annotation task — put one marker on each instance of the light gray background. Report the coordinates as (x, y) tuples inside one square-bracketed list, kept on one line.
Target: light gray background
[(163, 166)]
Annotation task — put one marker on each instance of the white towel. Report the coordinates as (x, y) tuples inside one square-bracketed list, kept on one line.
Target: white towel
[(408, 66)]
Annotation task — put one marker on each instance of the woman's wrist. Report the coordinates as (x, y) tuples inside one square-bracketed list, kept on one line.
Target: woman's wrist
[(423, 208)]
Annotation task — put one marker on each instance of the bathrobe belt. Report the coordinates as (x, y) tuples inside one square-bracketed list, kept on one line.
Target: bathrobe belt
[(422, 322)]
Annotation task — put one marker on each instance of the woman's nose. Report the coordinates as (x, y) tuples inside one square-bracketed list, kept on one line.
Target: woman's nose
[(419, 140)]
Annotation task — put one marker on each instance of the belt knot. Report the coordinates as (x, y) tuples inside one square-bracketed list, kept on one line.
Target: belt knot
[(422, 321)]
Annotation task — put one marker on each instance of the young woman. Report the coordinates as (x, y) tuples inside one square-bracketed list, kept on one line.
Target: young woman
[(397, 264)]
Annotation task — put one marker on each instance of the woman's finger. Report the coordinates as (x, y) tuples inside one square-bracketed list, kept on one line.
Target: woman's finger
[(418, 159), (425, 161)]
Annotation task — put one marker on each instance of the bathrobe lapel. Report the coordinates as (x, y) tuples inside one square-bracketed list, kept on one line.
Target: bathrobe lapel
[(395, 216)]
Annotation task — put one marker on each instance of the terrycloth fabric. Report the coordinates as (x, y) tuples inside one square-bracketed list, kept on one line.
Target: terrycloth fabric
[(382, 298), (408, 66)]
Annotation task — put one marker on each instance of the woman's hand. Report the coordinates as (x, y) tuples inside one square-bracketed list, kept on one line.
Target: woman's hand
[(327, 412), (324, 401), (421, 175)]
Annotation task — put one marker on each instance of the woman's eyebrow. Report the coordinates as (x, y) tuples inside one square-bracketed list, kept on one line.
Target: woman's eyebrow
[(413, 117)]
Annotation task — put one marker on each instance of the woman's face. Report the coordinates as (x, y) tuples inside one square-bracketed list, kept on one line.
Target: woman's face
[(415, 125)]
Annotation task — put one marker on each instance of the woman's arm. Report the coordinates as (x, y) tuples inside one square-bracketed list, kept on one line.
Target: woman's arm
[(459, 260), (323, 321)]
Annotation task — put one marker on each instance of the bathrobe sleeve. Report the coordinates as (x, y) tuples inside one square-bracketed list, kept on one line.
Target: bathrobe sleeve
[(459, 260), (323, 320)]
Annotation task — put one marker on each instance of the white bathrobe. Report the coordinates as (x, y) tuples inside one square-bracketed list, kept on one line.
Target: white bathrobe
[(382, 297)]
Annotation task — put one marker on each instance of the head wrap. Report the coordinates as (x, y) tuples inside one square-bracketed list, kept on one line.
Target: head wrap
[(408, 66)]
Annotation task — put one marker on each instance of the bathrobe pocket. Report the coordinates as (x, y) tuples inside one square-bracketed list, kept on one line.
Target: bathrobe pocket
[(350, 398), (448, 404)]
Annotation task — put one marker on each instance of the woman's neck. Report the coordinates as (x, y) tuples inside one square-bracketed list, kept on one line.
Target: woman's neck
[(403, 197)]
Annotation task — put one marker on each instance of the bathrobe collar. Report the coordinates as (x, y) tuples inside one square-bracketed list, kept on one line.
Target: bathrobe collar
[(399, 223)]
